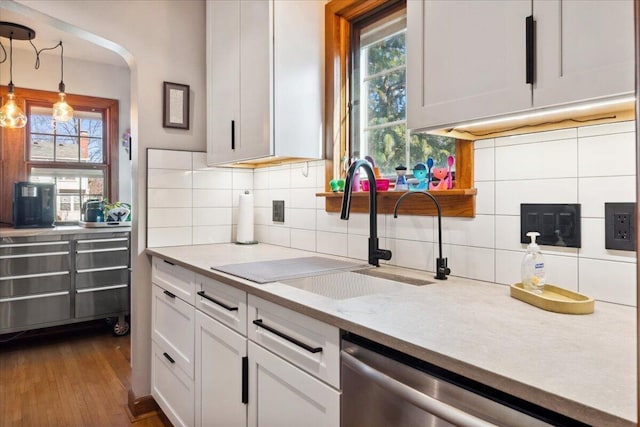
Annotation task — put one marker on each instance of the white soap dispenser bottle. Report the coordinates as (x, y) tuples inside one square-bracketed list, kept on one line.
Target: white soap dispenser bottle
[(533, 275)]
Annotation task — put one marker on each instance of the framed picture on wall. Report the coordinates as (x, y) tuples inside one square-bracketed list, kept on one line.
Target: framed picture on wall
[(176, 106)]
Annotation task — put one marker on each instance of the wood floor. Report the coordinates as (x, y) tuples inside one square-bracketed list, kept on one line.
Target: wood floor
[(76, 378)]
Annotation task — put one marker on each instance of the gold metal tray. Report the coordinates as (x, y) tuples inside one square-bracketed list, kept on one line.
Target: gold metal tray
[(555, 299)]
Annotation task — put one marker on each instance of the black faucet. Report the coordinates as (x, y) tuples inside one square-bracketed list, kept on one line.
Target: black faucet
[(442, 271), (375, 253)]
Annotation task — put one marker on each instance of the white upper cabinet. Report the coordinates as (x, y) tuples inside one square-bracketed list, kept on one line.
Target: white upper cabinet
[(467, 59), (584, 50), (265, 72)]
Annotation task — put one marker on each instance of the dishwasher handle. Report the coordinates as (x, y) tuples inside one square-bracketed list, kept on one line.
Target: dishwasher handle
[(433, 406)]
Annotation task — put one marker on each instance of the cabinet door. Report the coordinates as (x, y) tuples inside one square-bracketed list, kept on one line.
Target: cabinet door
[(465, 60), (282, 395), (223, 81), (171, 388), (219, 374), (299, 73), (584, 50)]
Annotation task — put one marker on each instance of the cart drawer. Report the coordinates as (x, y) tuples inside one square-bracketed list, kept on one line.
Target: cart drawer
[(30, 284), (102, 301), (34, 310), (118, 257), (111, 276)]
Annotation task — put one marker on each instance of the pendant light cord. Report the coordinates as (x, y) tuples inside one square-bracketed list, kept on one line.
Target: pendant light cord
[(39, 51)]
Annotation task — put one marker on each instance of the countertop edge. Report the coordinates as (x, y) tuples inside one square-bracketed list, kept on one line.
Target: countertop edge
[(529, 393)]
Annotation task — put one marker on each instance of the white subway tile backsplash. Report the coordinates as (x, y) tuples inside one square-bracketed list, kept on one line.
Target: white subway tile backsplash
[(261, 198), (303, 198), (510, 194), (553, 159), (168, 236), (212, 198), (212, 216), (320, 175), (169, 198), (594, 192), (593, 243), (484, 143), (303, 239), (217, 178), (478, 231), (262, 216), (169, 217), (242, 179), (607, 129), (331, 222), (358, 223), (508, 266), (169, 159), (301, 218), (486, 198), (358, 246), (332, 243), (607, 155), (261, 179), (484, 164), (411, 227), (508, 232), (412, 254), (279, 177), (169, 178), (608, 281), (560, 270), (298, 178), (470, 262), (199, 159), (210, 234), (537, 137)]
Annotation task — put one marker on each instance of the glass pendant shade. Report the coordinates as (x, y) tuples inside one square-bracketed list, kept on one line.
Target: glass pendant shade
[(11, 116), (62, 112)]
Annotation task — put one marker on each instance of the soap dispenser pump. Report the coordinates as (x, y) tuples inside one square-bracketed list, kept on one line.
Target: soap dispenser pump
[(533, 274)]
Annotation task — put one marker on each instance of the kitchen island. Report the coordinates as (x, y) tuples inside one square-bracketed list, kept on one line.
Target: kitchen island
[(581, 366)]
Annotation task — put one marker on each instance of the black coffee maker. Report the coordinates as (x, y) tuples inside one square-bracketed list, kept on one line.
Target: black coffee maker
[(33, 205)]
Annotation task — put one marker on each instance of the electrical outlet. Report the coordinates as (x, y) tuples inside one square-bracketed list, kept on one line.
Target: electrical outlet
[(620, 229), (278, 211)]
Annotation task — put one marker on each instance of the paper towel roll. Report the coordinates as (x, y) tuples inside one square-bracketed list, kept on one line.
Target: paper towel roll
[(244, 233)]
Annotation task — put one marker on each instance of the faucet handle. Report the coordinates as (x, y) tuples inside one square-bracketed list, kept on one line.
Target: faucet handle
[(384, 254)]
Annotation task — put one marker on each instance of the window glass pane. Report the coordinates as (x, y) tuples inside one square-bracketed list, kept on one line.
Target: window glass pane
[(387, 146), (386, 54), (437, 147), (94, 151), (40, 120), (386, 98), (67, 149), (91, 123), (41, 148), (67, 128)]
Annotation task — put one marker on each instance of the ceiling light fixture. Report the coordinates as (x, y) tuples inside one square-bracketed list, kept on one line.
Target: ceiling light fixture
[(11, 115)]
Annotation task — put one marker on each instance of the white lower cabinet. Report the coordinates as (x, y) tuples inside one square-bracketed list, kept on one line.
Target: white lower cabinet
[(221, 373), (282, 395), (171, 388)]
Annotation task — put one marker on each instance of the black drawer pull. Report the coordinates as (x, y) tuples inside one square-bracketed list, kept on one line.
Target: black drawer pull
[(169, 358), (169, 294), (245, 379), (530, 49), (221, 304), (233, 134), (168, 262), (258, 322)]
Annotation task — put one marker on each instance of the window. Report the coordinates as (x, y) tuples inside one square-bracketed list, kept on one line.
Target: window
[(378, 97), (80, 156), (70, 155)]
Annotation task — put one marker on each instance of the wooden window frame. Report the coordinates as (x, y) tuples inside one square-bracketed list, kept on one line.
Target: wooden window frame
[(339, 15), (14, 159)]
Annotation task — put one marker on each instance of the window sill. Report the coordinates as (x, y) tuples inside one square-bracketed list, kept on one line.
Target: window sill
[(453, 203)]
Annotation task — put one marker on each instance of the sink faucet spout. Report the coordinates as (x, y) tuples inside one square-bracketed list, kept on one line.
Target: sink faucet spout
[(375, 253), (442, 269)]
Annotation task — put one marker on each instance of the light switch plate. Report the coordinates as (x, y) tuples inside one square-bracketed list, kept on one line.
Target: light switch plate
[(557, 223), (278, 211)]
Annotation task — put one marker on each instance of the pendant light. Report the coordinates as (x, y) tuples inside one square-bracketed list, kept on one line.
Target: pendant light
[(11, 115), (62, 112)]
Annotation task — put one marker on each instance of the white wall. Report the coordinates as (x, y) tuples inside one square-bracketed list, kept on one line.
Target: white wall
[(166, 42), (80, 78)]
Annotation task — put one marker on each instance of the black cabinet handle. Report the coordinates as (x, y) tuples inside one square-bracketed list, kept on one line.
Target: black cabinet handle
[(168, 262), (245, 380), (169, 358), (169, 294), (530, 28), (233, 134), (259, 323), (221, 304)]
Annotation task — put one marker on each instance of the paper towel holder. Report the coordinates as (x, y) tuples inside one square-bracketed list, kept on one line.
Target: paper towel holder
[(250, 241)]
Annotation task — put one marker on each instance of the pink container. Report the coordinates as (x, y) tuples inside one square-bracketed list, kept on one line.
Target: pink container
[(382, 184)]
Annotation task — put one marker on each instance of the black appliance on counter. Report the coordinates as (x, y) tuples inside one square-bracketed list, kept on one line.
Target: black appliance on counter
[(33, 205)]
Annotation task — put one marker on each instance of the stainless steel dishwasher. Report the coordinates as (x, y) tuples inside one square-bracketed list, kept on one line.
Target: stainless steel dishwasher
[(382, 387)]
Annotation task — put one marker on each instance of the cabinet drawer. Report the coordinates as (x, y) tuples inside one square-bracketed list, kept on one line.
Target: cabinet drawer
[(30, 284), (103, 244), (310, 344), (100, 278), (172, 389), (175, 279), (38, 263), (173, 328), (222, 302), (102, 301), (31, 246), (34, 310), (94, 261)]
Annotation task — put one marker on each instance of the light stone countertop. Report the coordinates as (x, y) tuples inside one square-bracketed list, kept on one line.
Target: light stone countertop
[(63, 229), (582, 366)]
